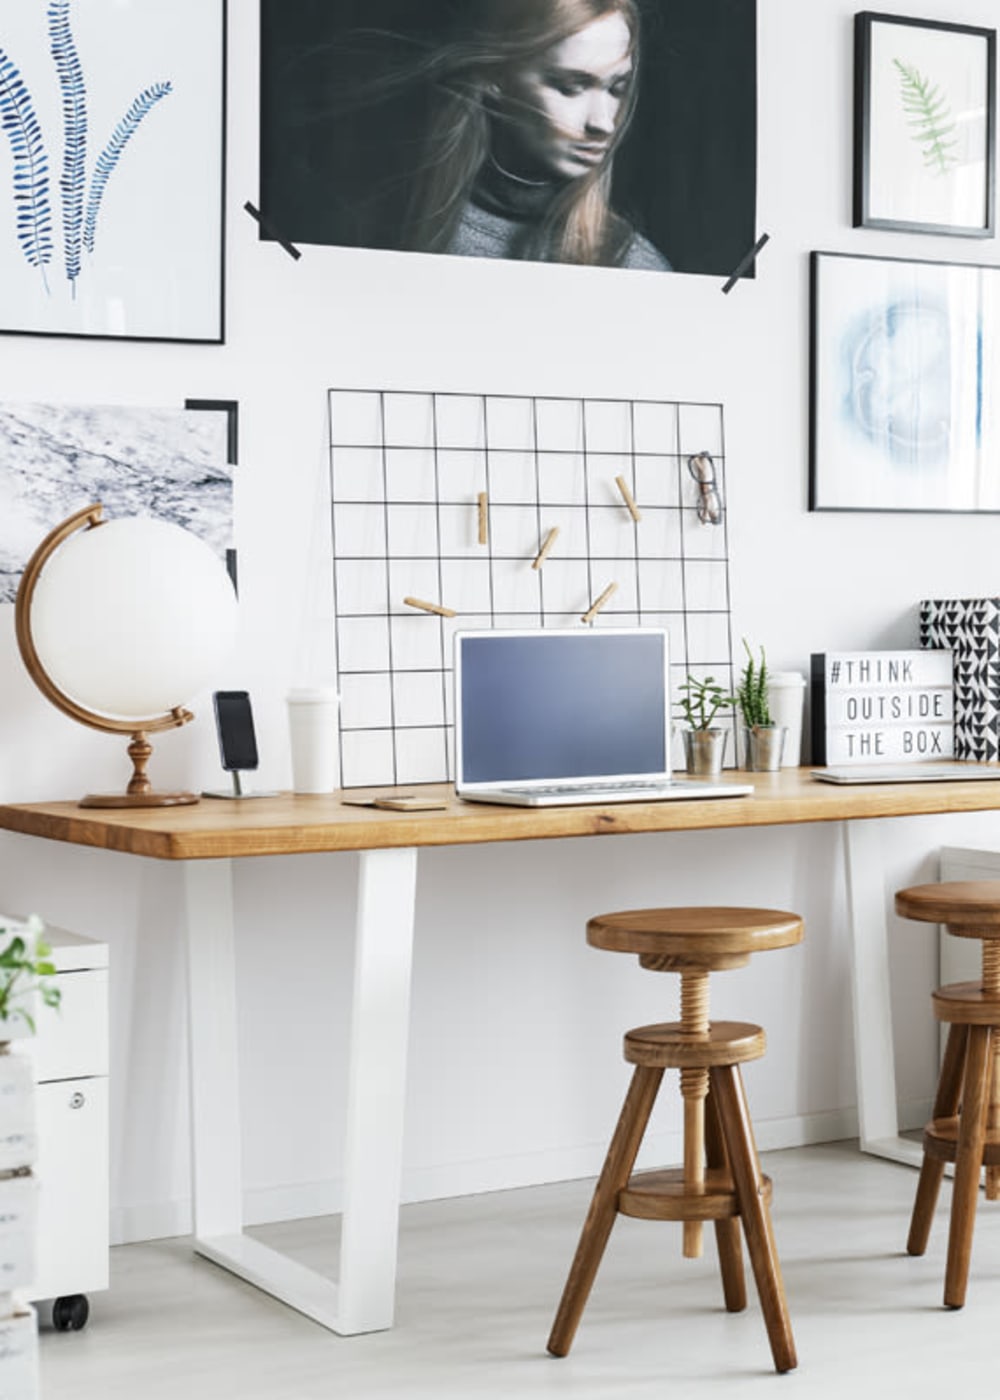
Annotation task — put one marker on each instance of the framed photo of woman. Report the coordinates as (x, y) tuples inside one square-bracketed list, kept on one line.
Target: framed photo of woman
[(924, 122), (613, 133)]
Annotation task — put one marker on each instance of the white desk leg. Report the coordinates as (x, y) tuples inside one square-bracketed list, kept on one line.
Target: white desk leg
[(363, 1300), (376, 1089), (217, 1185), (875, 1067)]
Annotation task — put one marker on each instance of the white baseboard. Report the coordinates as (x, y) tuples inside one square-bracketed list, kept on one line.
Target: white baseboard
[(301, 1200), (152, 1220)]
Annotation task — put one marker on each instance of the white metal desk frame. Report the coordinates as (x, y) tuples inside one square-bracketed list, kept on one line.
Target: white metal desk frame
[(363, 1300)]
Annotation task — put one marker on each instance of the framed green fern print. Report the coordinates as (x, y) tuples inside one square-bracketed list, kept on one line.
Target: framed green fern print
[(112, 162), (924, 122)]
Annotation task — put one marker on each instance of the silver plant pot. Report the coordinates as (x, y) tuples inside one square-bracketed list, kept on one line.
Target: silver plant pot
[(704, 750), (764, 744)]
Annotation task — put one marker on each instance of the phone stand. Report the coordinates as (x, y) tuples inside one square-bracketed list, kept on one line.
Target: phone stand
[(238, 789)]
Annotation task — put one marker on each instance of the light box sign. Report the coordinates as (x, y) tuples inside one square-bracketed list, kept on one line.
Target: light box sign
[(882, 706)]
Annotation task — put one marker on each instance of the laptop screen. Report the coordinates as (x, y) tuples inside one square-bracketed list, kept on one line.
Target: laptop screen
[(544, 705)]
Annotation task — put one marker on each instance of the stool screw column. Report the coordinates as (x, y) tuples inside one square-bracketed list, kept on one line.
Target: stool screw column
[(694, 1091)]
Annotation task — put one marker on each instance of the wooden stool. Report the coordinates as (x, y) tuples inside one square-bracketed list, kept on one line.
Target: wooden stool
[(721, 1179), (965, 1128)]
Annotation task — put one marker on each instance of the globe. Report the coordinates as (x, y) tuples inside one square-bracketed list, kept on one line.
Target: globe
[(119, 623)]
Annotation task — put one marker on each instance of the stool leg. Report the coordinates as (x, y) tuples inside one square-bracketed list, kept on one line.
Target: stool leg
[(727, 1088), (993, 1115), (991, 986), (604, 1206), (946, 1103), (968, 1162), (727, 1232)]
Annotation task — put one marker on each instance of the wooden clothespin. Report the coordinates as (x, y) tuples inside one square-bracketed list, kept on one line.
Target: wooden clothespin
[(430, 607), (599, 602), (628, 498), (543, 553), (484, 518)]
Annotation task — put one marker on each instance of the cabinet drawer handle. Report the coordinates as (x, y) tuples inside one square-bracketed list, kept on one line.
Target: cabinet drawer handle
[(77, 1100)]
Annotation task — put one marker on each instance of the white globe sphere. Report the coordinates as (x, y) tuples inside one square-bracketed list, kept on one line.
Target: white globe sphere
[(131, 617)]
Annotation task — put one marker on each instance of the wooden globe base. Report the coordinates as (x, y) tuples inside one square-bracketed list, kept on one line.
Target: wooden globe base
[(140, 791), (138, 799)]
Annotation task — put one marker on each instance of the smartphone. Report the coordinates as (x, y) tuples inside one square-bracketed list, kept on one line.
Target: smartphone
[(234, 723)]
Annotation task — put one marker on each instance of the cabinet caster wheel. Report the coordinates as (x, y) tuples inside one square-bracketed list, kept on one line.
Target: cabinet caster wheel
[(70, 1314)]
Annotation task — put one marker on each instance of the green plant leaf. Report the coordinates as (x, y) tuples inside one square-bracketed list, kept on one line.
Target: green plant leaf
[(930, 116)]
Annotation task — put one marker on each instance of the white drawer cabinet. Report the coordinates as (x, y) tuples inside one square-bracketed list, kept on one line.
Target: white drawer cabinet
[(71, 1062)]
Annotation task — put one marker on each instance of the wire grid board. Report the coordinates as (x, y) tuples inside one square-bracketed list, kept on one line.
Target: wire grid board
[(407, 471)]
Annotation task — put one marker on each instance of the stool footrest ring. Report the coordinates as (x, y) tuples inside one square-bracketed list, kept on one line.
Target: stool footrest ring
[(667, 1046), (663, 1195)]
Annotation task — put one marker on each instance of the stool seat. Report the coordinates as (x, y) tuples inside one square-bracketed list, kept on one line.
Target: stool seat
[(970, 908), (668, 1046), (712, 938)]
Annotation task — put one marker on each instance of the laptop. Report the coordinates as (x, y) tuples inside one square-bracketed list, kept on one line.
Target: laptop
[(920, 771), (553, 717)]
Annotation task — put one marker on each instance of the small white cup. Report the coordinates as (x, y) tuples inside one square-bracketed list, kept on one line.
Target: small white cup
[(786, 692), (313, 730)]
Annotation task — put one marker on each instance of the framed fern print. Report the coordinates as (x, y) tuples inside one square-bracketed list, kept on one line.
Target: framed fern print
[(112, 130), (924, 121)]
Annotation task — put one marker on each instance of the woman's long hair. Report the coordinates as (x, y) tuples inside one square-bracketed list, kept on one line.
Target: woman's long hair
[(502, 35)]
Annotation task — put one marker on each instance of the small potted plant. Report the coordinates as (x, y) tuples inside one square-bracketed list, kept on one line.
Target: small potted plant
[(25, 967), (704, 744), (763, 738)]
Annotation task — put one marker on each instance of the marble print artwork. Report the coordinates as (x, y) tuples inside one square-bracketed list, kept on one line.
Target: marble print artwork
[(56, 459)]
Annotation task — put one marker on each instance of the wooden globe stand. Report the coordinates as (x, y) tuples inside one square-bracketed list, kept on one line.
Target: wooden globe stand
[(140, 791)]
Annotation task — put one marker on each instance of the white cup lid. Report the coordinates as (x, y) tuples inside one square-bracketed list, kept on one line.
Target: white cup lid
[(785, 678)]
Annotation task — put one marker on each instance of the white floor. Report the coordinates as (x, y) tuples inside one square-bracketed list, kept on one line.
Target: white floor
[(479, 1280)]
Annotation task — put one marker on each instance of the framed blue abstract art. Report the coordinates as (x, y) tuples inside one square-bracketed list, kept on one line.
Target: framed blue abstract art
[(112, 131), (904, 357)]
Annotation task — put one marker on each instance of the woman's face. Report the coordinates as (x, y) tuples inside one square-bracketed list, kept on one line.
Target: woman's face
[(561, 110)]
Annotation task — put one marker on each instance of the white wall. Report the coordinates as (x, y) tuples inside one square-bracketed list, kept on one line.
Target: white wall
[(516, 1024)]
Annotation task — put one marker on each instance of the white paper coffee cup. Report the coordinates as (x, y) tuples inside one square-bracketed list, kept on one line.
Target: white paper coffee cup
[(313, 731), (786, 692)]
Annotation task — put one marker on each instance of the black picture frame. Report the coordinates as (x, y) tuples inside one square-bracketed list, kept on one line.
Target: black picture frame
[(924, 120)]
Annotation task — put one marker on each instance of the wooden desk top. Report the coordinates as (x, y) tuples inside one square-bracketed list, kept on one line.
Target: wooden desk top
[(290, 825)]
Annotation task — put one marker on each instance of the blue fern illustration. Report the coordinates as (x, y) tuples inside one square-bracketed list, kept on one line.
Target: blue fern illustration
[(81, 205), (74, 109), (110, 156), (33, 220)]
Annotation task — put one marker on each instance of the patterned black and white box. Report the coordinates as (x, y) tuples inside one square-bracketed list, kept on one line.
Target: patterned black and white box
[(970, 629)]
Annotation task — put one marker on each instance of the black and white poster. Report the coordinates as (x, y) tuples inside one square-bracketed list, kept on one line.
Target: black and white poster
[(616, 133)]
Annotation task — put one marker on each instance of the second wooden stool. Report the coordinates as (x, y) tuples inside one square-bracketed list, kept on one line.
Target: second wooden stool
[(965, 1127), (721, 1179)]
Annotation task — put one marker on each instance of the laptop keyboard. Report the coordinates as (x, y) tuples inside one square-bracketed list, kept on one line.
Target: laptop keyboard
[(567, 789)]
